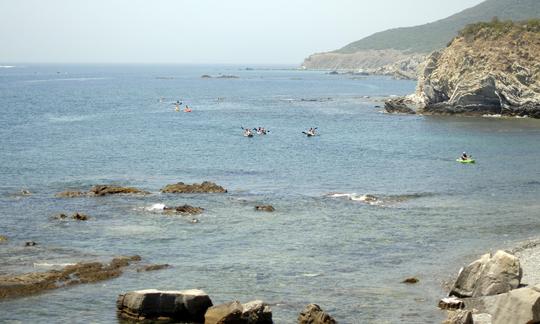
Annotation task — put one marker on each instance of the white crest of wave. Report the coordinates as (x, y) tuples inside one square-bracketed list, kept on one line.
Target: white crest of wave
[(52, 265), (155, 207)]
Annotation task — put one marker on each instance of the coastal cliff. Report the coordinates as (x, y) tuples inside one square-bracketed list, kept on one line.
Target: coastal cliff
[(490, 68), (398, 51)]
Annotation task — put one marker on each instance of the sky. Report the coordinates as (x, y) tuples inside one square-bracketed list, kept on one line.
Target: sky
[(199, 31)]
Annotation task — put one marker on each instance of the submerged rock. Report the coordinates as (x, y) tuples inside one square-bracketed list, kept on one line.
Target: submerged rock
[(313, 314), (185, 209), (153, 267), (36, 282), (151, 304), (205, 187), (30, 243), (70, 194), (411, 280), (79, 217), (489, 275), (254, 312), (266, 208)]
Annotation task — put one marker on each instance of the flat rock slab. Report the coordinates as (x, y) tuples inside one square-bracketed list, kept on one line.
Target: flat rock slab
[(36, 282), (152, 304)]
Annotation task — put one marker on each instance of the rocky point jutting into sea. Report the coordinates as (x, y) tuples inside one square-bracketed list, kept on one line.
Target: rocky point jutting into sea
[(490, 68)]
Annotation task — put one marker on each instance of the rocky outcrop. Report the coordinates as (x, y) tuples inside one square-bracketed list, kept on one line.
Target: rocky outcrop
[(75, 216), (489, 275), (254, 312), (313, 314), (185, 209), (151, 304), (266, 208), (102, 190), (391, 62), (411, 280), (205, 187), (36, 282), (490, 68)]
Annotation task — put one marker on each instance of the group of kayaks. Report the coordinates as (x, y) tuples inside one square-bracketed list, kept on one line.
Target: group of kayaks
[(177, 107), (263, 131)]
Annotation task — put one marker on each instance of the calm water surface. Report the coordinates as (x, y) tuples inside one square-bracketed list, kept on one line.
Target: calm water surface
[(71, 127)]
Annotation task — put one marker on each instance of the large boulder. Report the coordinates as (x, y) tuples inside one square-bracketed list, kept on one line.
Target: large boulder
[(254, 312), (205, 187), (313, 314), (152, 304), (489, 275), (517, 306), (185, 209), (459, 317)]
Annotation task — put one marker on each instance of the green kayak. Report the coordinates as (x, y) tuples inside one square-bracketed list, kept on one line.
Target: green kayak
[(465, 161)]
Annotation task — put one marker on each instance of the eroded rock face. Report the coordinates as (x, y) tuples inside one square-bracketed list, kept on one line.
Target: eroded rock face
[(488, 69), (151, 304), (489, 275), (205, 187), (36, 282), (254, 312), (185, 209), (313, 314), (459, 317)]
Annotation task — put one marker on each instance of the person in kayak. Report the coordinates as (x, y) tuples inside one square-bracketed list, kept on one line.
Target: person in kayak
[(464, 156), (311, 131), (247, 132)]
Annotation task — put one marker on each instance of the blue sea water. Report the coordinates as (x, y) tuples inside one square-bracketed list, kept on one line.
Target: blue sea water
[(73, 126)]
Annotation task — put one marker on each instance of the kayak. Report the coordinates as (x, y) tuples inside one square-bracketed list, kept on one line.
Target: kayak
[(465, 161), (250, 135), (187, 110)]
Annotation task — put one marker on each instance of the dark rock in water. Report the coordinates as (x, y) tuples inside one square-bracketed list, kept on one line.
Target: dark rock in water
[(153, 267), (205, 187), (194, 221), (60, 216), (206, 76), (151, 304), (103, 190), (3, 239), (36, 282), (411, 280), (451, 303), (400, 106), (333, 73), (70, 194), (255, 312), (185, 209), (313, 314), (226, 76), (79, 217), (30, 243), (266, 208), (124, 261), (489, 275), (459, 317)]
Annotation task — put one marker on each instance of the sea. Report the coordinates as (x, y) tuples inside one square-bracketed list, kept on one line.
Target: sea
[(371, 200)]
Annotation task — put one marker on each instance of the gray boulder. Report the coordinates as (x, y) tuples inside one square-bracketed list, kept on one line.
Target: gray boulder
[(313, 314), (151, 304), (459, 317), (254, 312), (489, 275), (517, 306)]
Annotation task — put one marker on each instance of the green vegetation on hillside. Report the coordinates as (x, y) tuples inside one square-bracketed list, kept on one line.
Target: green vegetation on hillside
[(432, 36), (497, 28)]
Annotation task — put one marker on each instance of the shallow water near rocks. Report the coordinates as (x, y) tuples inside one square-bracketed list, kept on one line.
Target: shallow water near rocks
[(70, 127)]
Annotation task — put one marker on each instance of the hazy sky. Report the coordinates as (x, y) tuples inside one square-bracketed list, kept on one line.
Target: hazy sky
[(199, 31)]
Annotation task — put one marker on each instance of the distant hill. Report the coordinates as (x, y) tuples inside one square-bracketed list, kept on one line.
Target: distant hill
[(435, 35), (398, 51)]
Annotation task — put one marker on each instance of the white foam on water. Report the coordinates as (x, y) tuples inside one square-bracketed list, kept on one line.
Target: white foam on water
[(52, 265), (67, 119), (341, 195), (311, 275), (492, 116), (155, 207), (7, 66)]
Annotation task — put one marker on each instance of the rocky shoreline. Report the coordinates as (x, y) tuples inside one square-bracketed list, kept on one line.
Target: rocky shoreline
[(497, 288)]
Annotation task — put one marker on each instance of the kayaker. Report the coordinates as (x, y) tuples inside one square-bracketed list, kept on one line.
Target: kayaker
[(464, 156), (247, 132), (311, 131)]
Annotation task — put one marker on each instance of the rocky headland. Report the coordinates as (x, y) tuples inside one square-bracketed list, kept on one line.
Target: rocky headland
[(490, 68)]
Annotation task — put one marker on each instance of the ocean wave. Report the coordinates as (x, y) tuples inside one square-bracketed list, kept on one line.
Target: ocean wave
[(64, 79), (68, 119), (380, 200), (155, 207)]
